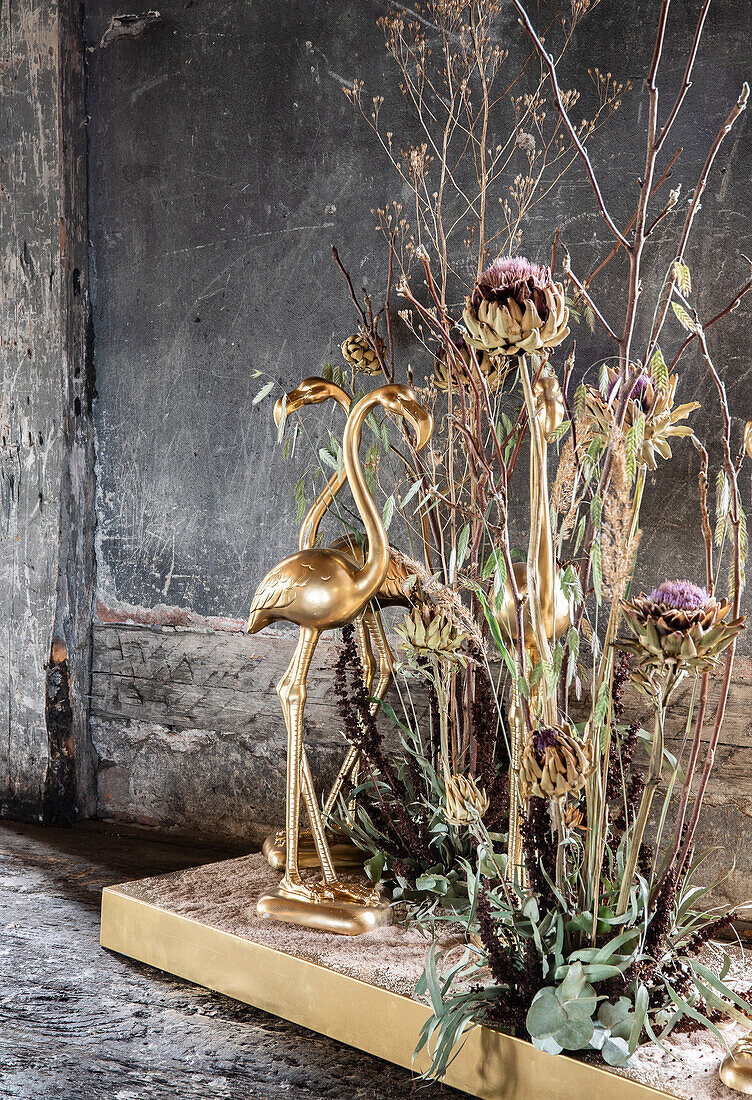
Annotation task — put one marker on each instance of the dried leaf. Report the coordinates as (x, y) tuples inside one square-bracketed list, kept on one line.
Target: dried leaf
[(684, 319), (683, 278)]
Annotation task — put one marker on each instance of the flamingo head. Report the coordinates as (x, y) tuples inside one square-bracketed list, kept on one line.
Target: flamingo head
[(311, 391), (403, 401)]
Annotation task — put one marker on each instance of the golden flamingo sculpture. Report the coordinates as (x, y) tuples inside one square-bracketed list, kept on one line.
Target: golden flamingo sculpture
[(546, 612), (368, 625), (553, 604), (322, 589)]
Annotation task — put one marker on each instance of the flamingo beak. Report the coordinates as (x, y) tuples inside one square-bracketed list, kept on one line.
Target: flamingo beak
[(282, 405), (421, 420), (307, 393)]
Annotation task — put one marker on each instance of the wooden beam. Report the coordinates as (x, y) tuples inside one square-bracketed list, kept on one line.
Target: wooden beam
[(46, 453)]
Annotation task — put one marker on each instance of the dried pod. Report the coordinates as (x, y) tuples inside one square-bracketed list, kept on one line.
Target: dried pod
[(358, 352), (465, 802), (555, 763)]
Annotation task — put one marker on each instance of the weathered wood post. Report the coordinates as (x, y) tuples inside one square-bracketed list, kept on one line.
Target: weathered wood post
[(46, 438)]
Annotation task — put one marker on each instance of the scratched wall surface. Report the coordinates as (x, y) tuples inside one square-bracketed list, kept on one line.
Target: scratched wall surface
[(30, 450), (46, 446)]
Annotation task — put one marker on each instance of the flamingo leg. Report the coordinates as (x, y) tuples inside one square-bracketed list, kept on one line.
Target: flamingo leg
[(370, 630), (291, 690)]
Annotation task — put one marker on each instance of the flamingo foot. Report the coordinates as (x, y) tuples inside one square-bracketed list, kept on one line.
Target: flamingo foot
[(345, 908)]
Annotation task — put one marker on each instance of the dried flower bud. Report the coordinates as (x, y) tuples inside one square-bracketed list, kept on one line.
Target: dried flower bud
[(438, 637), (555, 763), (678, 625), (516, 308), (465, 802), (358, 352)]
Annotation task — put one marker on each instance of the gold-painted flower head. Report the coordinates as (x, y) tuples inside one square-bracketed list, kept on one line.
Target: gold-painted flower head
[(680, 626), (555, 763), (515, 308), (655, 407), (465, 802), (573, 817), (358, 352)]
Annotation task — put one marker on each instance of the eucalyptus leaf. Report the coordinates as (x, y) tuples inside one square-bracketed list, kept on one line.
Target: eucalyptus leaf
[(615, 1051), (545, 1016), (375, 866), (548, 1044), (575, 1034)]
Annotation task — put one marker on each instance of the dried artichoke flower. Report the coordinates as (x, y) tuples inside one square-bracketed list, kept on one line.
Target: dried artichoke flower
[(495, 368), (358, 352), (661, 417), (678, 626), (516, 308), (465, 802), (555, 763), (436, 637)]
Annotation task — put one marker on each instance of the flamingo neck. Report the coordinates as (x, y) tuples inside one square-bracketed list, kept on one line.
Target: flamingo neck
[(327, 496), (544, 552), (375, 567)]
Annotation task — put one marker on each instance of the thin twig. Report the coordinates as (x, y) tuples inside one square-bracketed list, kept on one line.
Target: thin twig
[(708, 324), (548, 61), (567, 267), (687, 80), (694, 206)]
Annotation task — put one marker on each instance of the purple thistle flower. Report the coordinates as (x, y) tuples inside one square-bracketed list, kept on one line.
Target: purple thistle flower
[(680, 595), (544, 739), (514, 277), (642, 392)]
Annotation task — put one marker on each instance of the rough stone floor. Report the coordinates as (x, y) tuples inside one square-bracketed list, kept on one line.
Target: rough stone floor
[(79, 1023)]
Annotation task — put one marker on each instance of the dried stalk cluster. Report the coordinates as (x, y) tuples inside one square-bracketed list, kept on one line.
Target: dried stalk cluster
[(487, 638)]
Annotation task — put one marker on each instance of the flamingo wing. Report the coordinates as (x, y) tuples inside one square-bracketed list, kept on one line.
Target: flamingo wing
[(277, 590)]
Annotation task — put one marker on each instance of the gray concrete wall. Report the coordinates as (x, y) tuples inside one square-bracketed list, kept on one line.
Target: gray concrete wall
[(223, 161)]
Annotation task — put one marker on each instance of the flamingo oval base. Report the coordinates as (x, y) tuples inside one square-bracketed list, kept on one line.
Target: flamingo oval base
[(343, 918)]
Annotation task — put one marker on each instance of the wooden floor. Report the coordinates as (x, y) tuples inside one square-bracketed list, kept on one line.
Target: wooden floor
[(78, 1023)]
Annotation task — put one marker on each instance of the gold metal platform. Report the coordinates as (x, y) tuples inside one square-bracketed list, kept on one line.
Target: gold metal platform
[(364, 1015)]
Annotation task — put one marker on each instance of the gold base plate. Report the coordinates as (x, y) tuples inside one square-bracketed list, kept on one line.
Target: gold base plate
[(142, 920), (343, 853), (344, 918)]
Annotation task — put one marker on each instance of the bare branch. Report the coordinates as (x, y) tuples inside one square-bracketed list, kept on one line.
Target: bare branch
[(733, 304), (694, 206), (687, 80), (567, 267), (633, 219)]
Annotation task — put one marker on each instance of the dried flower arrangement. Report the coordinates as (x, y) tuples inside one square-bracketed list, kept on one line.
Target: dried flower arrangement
[(516, 805)]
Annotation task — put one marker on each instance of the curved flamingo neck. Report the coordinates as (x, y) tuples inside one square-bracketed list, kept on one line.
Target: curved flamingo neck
[(376, 565), (545, 554), (326, 497)]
